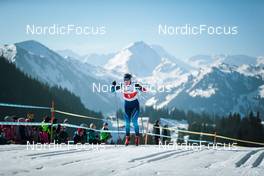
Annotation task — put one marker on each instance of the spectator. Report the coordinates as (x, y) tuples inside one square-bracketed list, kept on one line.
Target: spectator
[(29, 131), (105, 136), (30, 117), (2, 138), (21, 135), (156, 131), (165, 132), (93, 137), (62, 136), (9, 130), (44, 133), (80, 135)]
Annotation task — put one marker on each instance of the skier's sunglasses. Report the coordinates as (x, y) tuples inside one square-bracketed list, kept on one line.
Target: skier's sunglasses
[(127, 79)]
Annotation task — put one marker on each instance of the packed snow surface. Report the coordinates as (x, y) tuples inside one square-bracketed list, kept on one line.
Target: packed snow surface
[(131, 160)]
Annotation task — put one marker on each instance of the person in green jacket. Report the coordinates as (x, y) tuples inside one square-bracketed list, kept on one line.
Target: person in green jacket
[(104, 136), (45, 127)]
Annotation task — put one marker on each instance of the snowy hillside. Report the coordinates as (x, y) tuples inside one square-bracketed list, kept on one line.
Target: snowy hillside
[(97, 59), (137, 58), (67, 53), (9, 52), (131, 161), (49, 67), (254, 71), (220, 89), (92, 59), (199, 61), (141, 59), (164, 54)]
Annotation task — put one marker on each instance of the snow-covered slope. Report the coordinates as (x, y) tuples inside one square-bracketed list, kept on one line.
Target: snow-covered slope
[(199, 61), (131, 161), (165, 55), (138, 58), (218, 89), (92, 59), (260, 61), (67, 53), (254, 71), (142, 60), (239, 60), (9, 52), (49, 67), (97, 59)]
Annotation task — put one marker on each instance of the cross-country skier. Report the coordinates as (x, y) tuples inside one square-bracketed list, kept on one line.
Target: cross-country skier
[(130, 90)]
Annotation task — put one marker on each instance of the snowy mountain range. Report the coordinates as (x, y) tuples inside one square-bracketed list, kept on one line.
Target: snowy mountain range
[(217, 89), (218, 84), (49, 67), (199, 61), (93, 58), (138, 58)]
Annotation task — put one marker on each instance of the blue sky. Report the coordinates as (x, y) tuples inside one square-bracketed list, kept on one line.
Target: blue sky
[(130, 21)]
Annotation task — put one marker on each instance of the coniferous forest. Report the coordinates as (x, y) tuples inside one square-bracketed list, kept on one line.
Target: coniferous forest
[(18, 88), (248, 127)]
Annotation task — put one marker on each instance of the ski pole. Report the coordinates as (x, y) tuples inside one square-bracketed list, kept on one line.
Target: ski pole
[(117, 120)]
